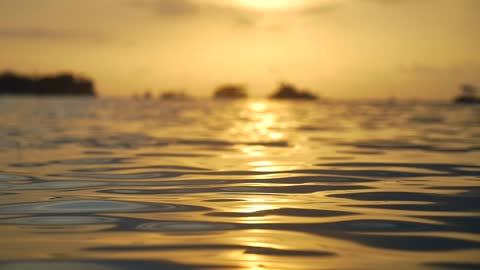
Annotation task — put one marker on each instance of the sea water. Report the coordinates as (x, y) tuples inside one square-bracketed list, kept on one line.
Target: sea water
[(255, 184)]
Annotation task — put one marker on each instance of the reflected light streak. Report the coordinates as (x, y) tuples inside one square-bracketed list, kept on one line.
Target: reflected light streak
[(275, 168), (270, 166), (261, 124), (258, 106), (254, 151), (253, 262), (255, 206), (264, 163), (275, 135), (256, 261)]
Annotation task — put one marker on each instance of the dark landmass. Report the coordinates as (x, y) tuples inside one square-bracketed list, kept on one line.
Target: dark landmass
[(147, 95), (174, 95), (230, 91), (64, 84), (288, 91), (467, 96)]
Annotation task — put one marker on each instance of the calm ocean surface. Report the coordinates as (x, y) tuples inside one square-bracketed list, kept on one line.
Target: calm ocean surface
[(248, 185)]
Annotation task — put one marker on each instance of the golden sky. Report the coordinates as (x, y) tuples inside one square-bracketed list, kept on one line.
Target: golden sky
[(336, 48)]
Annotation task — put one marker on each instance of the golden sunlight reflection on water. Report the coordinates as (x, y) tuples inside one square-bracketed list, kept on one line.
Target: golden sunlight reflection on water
[(259, 121), (237, 185)]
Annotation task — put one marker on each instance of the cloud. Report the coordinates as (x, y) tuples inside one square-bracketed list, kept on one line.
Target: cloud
[(46, 34), (423, 68), (321, 9), (414, 3), (190, 8), (31, 34), (226, 11), (169, 7), (388, 2)]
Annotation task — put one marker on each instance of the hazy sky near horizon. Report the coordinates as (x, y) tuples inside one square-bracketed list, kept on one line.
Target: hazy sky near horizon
[(337, 48)]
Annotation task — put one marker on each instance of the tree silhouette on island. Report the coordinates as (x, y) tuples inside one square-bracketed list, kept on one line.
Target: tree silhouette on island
[(175, 95), (231, 91), (63, 84), (288, 91), (468, 95), (284, 92)]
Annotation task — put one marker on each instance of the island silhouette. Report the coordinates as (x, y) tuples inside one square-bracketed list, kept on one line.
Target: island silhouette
[(468, 95), (62, 84), (230, 91), (288, 91), (175, 95)]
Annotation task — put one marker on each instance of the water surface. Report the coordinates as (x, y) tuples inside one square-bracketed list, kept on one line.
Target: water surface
[(117, 184)]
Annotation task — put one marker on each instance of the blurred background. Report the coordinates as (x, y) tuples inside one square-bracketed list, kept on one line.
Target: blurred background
[(346, 49)]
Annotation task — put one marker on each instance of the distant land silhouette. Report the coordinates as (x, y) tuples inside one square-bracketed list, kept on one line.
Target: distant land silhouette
[(63, 84), (230, 91), (288, 91), (468, 95), (174, 95)]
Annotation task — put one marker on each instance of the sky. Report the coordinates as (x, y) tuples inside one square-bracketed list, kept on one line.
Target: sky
[(412, 49)]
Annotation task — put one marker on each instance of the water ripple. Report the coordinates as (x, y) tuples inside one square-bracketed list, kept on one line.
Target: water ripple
[(92, 206), (58, 220), (118, 184)]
